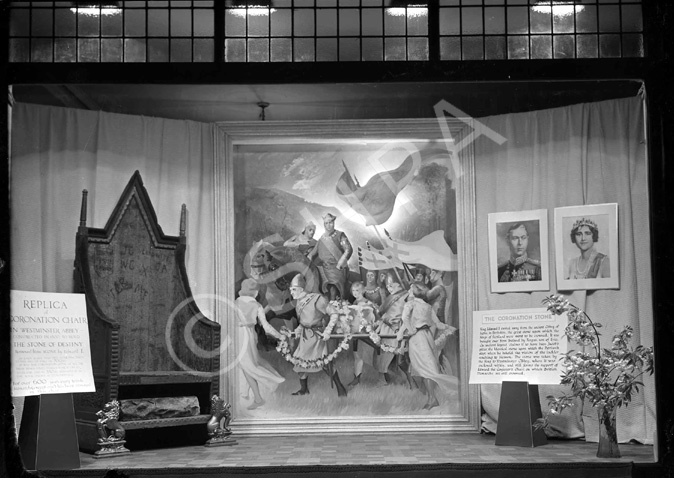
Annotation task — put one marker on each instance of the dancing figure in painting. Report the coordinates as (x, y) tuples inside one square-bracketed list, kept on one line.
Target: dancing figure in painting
[(255, 369), (333, 251), (368, 311), (311, 348), (390, 313), (419, 324)]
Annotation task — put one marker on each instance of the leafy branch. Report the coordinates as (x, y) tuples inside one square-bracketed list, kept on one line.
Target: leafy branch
[(606, 377)]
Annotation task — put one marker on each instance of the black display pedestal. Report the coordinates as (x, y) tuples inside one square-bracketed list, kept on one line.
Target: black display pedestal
[(48, 437), (520, 407)]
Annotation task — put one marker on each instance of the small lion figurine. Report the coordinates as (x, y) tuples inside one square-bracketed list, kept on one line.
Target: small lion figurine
[(218, 427), (109, 428)]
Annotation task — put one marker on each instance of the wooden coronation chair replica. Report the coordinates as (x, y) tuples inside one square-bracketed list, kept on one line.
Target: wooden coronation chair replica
[(148, 338)]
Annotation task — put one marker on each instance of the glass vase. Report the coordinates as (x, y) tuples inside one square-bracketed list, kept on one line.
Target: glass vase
[(608, 434)]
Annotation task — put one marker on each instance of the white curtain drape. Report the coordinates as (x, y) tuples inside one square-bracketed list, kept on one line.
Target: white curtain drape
[(578, 155), (58, 152)]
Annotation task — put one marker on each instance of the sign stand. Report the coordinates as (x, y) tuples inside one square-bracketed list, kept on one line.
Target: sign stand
[(520, 407), (48, 437)]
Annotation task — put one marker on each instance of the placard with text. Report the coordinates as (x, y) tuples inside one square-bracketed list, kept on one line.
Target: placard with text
[(49, 344), (523, 345)]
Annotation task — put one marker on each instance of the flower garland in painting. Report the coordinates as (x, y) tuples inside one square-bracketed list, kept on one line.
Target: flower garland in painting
[(284, 349), (342, 317)]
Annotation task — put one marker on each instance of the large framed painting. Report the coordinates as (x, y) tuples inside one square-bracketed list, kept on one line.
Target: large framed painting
[(586, 243), (345, 276), (518, 251)]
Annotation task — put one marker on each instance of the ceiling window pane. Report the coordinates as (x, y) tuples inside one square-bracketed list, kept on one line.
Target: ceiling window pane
[(586, 46), (518, 20), (349, 23), (450, 21), (326, 22), (235, 22), (65, 50), (258, 49), (373, 49), (373, 22), (87, 25), (631, 18), (518, 47), (204, 50), (609, 18), (181, 23), (158, 50), (471, 21), (326, 49), (417, 21), (303, 49), (111, 50), (394, 23), (609, 46), (111, 25), (41, 50), (134, 26), (134, 50), (586, 19), (157, 23), (494, 20), (203, 23), (258, 25), (450, 48), (541, 20), (280, 23), (472, 48), (19, 50), (235, 49), (88, 50), (304, 26), (281, 49), (633, 45), (64, 23), (417, 49), (349, 49), (495, 48), (541, 46), (563, 46), (19, 22), (395, 49)]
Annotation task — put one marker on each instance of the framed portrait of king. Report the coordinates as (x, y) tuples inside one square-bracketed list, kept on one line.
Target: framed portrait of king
[(518, 251), (586, 244), (328, 231)]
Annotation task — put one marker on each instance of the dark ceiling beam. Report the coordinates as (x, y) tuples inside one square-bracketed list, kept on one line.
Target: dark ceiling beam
[(326, 72)]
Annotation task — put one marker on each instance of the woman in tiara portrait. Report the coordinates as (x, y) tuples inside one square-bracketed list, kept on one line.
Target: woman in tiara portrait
[(590, 264)]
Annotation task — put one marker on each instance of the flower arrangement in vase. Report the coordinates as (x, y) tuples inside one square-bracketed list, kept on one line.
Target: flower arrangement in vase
[(606, 377)]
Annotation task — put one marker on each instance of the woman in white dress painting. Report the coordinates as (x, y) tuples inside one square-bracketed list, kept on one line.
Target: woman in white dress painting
[(590, 264), (426, 338), (256, 370)]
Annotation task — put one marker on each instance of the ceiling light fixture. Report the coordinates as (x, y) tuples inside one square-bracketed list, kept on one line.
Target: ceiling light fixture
[(95, 9), (409, 8), (558, 9)]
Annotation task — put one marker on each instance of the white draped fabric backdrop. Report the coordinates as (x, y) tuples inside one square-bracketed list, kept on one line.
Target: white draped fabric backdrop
[(583, 154), (589, 153)]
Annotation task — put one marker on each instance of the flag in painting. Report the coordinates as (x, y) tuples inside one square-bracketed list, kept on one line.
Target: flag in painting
[(376, 199), (376, 261), (431, 251)]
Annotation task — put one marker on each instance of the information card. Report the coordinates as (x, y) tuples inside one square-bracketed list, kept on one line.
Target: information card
[(49, 344), (523, 345)]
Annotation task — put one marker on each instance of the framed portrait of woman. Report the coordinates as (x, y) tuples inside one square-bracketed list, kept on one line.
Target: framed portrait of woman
[(518, 251), (586, 244)]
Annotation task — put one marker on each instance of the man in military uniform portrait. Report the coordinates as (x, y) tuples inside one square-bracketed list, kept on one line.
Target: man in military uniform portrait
[(519, 266)]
